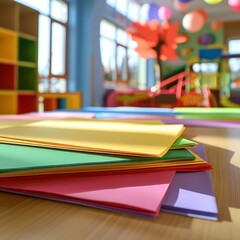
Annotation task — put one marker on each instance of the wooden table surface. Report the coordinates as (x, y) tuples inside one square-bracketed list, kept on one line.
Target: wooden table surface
[(24, 218)]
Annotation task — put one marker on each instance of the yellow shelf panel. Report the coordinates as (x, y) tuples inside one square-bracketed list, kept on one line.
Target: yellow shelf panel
[(27, 64), (26, 92), (8, 44), (73, 99), (6, 31), (8, 103), (59, 95), (8, 92), (8, 61)]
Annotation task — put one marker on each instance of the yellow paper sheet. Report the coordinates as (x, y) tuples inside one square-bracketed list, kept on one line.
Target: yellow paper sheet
[(12, 123), (94, 135)]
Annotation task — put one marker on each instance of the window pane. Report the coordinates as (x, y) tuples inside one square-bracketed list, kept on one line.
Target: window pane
[(43, 85), (133, 61), (111, 3), (209, 67), (40, 5), (142, 71), (58, 49), (108, 58), (144, 12), (196, 67), (58, 85), (59, 10), (107, 30), (44, 46), (122, 37), (121, 63), (133, 11), (234, 46), (132, 44), (121, 6), (234, 64)]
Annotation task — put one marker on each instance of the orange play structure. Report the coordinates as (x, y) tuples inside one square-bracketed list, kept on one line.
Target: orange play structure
[(172, 92)]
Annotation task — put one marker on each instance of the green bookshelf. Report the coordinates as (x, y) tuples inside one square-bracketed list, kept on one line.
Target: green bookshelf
[(27, 78), (27, 50)]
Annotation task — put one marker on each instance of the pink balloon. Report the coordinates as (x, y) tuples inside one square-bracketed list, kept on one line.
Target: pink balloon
[(180, 6), (164, 13), (193, 21), (234, 5)]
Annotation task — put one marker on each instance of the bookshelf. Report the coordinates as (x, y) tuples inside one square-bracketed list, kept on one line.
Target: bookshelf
[(18, 58), (54, 101)]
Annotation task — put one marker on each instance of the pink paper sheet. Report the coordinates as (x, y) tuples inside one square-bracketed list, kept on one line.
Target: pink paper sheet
[(46, 115), (141, 192)]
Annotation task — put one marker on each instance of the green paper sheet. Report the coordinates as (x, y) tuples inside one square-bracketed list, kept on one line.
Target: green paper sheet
[(20, 158), (183, 143), (208, 113)]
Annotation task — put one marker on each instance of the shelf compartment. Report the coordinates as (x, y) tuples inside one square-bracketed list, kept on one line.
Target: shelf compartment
[(7, 76), (27, 78), (27, 102), (50, 104), (8, 15), (28, 20), (27, 50), (69, 100), (8, 101), (8, 45)]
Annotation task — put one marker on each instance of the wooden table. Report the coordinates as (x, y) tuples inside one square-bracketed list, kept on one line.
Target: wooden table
[(24, 218)]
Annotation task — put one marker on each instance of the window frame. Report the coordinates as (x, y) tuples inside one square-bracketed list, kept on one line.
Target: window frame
[(65, 25), (121, 21), (116, 82)]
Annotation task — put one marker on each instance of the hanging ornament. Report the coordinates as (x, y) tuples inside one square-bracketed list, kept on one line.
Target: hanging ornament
[(184, 1), (193, 21), (213, 1), (234, 5), (164, 13), (181, 6), (216, 25)]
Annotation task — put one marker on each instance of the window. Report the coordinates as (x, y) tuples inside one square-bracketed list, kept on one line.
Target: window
[(121, 63), (205, 67), (52, 46), (234, 48), (119, 59), (234, 63), (209, 75), (111, 3)]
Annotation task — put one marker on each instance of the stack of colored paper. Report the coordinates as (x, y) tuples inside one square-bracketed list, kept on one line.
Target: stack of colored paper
[(124, 166)]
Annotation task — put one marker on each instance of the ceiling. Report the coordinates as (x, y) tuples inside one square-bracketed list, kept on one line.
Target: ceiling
[(219, 11)]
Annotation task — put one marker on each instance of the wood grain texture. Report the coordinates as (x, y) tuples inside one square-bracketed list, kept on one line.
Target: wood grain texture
[(24, 218)]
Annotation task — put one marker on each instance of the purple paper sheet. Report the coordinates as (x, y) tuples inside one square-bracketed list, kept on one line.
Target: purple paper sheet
[(202, 123), (192, 194)]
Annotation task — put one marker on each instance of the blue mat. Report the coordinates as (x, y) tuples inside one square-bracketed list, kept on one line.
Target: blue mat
[(118, 111)]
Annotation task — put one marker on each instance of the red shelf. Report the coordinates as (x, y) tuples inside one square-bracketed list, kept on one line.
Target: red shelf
[(7, 76), (27, 103)]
